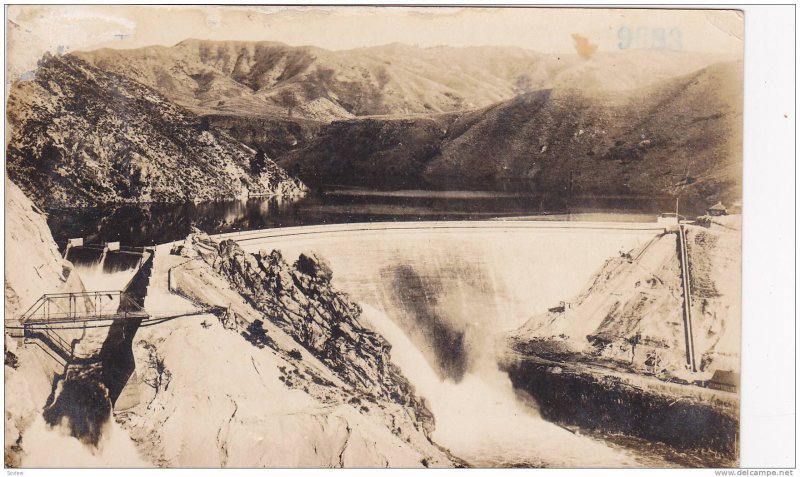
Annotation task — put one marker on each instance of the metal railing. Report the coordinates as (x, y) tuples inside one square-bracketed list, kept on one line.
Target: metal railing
[(82, 306), (175, 290)]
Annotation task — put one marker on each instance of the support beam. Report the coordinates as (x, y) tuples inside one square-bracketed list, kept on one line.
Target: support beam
[(683, 256)]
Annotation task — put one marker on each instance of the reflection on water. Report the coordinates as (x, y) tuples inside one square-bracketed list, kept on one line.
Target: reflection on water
[(150, 224)]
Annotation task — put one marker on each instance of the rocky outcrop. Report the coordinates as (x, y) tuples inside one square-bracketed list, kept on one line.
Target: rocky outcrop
[(81, 136), (240, 389), (323, 109), (33, 264), (208, 398), (617, 350), (301, 301), (701, 430)]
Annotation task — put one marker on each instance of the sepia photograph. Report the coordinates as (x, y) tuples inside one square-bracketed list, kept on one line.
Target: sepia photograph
[(373, 237)]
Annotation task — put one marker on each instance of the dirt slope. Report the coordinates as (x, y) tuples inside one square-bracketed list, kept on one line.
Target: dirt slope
[(630, 314)]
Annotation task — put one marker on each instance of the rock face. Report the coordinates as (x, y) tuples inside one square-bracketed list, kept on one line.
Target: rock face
[(82, 136), (208, 398), (251, 387), (34, 265), (301, 301), (323, 109)]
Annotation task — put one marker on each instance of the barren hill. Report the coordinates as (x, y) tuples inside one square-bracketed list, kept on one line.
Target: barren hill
[(269, 78), (680, 134)]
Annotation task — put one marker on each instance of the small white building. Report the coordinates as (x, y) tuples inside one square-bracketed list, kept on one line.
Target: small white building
[(670, 218)]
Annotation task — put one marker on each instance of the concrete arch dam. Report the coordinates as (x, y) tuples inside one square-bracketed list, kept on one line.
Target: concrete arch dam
[(454, 287)]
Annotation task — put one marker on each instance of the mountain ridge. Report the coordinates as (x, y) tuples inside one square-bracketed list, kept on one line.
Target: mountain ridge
[(618, 143), (269, 78)]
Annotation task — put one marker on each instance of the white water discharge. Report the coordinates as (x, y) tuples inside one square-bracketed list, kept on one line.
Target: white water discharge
[(479, 418), (95, 278), (105, 271), (47, 446)]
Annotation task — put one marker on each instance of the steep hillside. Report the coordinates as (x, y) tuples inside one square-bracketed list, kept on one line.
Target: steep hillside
[(269, 78), (33, 264), (275, 136), (630, 312), (381, 153), (82, 136), (681, 132)]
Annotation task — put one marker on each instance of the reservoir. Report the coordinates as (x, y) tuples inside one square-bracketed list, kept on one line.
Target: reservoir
[(151, 224)]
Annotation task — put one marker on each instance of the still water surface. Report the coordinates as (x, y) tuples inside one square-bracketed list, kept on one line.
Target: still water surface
[(150, 224)]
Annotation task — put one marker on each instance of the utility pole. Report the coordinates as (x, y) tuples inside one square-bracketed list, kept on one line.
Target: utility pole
[(681, 189), (569, 189)]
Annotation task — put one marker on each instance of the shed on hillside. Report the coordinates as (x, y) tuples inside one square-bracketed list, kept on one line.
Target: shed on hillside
[(717, 210), (724, 381)]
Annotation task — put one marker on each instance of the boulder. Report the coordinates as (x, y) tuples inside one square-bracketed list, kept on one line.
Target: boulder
[(311, 264)]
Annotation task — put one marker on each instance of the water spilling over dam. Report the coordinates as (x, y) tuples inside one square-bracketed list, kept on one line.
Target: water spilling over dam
[(102, 269), (444, 294), (480, 419)]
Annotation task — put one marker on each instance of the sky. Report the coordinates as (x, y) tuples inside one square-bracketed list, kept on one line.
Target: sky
[(32, 30)]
